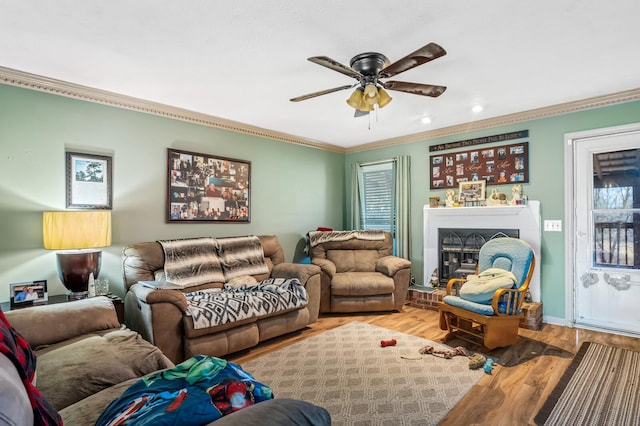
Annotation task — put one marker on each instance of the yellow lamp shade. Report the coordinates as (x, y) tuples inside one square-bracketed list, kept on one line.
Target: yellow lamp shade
[(384, 98), (67, 230)]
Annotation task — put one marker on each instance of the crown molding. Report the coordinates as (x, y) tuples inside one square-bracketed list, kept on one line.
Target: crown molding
[(503, 120), (26, 80)]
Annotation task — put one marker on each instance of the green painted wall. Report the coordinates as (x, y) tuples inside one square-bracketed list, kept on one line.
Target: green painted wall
[(546, 183), (294, 188)]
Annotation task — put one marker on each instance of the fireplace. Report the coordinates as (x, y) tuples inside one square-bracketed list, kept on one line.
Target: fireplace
[(459, 248), (472, 226)]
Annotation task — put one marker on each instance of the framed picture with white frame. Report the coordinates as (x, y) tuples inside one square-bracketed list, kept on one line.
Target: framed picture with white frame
[(473, 190)]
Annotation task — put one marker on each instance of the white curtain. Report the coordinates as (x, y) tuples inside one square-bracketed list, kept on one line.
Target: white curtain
[(403, 206), (354, 219)]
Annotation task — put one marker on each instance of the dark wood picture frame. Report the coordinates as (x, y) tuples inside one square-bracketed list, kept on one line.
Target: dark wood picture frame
[(497, 165), (207, 188), (88, 181)]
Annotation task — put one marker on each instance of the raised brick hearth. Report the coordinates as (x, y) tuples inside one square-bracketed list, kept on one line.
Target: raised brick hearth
[(425, 297)]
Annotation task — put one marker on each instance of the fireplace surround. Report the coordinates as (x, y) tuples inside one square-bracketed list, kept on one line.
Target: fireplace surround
[(525, 219)]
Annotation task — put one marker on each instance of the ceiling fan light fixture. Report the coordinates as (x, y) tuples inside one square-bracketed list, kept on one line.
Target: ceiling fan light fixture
[(355, 100), (383, 98), (371, 96)]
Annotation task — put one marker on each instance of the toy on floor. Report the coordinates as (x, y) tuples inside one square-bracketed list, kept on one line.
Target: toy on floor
[(385, 343), (447, 354), (488, 366), (476, 361)]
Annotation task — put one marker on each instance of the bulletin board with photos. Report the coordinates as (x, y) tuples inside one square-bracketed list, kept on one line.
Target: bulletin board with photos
[(497, 165), (207, 188)]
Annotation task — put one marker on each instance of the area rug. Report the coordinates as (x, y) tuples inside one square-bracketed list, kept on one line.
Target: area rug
[(348, 372), (600, 387)]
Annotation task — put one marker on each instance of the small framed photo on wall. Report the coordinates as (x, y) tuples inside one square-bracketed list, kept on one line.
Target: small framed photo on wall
[(88, 179)]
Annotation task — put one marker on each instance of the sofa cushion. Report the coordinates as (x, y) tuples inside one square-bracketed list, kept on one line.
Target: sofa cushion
[(354, 260), (241, 281), (480, 308), (361, 284), (69, 372), (42, 326)]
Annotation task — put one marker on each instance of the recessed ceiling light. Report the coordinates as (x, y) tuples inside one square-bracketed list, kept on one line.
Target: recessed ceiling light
[(477, 108), (426, 119)]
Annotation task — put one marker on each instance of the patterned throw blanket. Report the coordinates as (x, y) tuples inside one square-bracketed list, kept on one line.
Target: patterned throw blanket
[(318, 237), (241, 256), (192, 261), (223, 306), (197, 391)]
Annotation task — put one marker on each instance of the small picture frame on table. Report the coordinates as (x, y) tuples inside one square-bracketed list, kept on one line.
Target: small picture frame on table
[(28, 294)]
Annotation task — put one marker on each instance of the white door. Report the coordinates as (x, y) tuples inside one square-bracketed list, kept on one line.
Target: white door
[(607, 231)]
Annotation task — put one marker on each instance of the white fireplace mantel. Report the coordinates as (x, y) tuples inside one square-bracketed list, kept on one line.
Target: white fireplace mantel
[(525, 218)]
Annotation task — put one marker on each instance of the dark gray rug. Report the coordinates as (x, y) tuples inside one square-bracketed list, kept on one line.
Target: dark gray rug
[(346, 371), (600, 387)]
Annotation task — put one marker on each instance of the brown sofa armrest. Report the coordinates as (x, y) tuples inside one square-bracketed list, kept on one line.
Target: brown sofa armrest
[(150, 296), (390, 265), (327, 266), (309, 276), (48, 324), (295, 270)]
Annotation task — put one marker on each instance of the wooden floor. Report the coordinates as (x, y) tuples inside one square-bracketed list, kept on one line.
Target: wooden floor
[(518, 386)]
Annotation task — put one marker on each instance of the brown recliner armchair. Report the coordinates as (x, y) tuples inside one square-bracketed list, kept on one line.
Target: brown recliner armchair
[(359, 272)]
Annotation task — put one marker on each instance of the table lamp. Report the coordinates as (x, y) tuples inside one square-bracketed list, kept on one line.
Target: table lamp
[(78, 234)]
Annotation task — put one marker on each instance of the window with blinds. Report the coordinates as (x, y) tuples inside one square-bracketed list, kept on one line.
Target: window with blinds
[(377, 195)]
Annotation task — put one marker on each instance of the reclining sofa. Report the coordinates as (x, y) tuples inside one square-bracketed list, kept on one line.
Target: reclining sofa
[(166, 318), (85, 359), (359, 271)]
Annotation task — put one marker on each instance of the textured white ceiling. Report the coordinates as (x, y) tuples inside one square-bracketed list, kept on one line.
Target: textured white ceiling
[(243, 60)]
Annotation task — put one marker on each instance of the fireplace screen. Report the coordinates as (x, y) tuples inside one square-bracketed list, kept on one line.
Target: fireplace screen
[(459, 248)]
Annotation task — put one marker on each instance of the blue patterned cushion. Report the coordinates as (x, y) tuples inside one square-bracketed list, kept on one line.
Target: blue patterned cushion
[(468, 305)]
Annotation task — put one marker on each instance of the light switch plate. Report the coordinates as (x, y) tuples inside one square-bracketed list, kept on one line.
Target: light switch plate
[(553, 225)]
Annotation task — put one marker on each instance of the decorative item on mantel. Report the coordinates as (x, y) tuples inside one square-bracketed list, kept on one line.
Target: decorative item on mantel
[(517, 198), (451, 198), (497, 198), (434, 202)]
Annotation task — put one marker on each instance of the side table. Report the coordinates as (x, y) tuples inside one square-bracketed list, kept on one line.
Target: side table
[(62, 298)]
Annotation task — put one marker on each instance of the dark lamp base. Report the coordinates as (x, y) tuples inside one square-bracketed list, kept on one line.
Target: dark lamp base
[(75, 268)]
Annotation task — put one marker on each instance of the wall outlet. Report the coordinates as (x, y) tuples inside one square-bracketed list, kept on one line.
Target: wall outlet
[(553, 226)]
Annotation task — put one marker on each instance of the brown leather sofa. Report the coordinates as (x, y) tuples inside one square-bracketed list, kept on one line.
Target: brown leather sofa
[(161, 317), (360, 275), (86, 359)]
